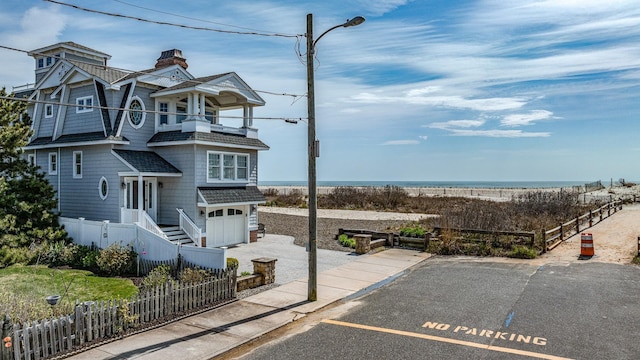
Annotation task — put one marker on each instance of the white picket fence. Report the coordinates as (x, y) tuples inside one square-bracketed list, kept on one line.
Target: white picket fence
[(96, 321), (146, 244)]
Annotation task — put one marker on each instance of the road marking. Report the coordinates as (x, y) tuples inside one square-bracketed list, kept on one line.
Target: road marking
[(445, 340)]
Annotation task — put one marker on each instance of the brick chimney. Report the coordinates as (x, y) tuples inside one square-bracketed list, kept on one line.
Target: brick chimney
[(171, 57)]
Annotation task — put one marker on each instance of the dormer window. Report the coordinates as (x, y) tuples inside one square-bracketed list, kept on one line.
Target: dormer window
[(49, 60), (84, 104), (48, 110), (40, 63)]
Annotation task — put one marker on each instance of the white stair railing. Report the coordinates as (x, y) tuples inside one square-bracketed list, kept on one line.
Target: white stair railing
[(190, 228), (147, 223)]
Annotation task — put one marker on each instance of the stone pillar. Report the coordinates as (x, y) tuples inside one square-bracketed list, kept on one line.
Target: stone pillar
[(253, 236), (265, 267), (363, 243)]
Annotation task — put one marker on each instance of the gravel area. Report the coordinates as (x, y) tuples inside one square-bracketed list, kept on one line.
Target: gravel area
[(297, 225)]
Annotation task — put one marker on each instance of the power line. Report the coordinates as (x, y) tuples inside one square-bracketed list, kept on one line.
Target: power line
[(150, 72), (256, 33), (186, 17), (33, 101)]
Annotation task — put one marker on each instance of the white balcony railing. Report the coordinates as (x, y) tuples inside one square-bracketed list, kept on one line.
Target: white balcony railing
[(190, 228)]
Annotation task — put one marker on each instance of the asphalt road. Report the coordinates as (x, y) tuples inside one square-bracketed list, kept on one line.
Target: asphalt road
[(465, 309)]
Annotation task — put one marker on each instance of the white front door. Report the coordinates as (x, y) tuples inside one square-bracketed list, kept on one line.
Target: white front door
[(149, 195)]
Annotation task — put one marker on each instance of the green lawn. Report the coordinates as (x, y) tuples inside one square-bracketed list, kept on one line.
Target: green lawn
[(23, 289)]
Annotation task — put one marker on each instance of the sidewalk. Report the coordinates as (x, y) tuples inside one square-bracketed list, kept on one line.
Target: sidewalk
[(219, 330)]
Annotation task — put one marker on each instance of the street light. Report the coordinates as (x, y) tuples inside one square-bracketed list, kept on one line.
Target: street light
[(314, 151)]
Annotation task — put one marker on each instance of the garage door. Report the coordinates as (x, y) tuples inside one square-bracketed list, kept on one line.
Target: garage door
[(226, 227)]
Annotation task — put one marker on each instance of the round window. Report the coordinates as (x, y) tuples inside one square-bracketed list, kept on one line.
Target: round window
[(103, 188), (136, 112)]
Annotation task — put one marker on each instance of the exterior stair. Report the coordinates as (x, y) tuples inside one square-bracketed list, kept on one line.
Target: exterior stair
[(177, 236)]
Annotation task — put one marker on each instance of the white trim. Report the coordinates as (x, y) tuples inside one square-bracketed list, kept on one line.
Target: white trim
[(143, 112), (106, 194), (76, 174), (31, 158), (51, 169), (48, 111), (209, 143), (81, 102), (76, 144), (152, 174), (200, 204)]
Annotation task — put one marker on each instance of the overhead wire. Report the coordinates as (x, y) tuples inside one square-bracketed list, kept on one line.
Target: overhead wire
[(186, 17), (255, 33), (34, 101)]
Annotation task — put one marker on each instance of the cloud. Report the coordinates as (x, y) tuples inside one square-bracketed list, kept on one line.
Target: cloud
[(446, 101), (400, 142), (423, 137), (526, 119), (464, 128), (456, 124), (498, 133)]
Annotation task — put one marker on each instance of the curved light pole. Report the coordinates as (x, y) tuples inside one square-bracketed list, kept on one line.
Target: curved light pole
[(314, 151)]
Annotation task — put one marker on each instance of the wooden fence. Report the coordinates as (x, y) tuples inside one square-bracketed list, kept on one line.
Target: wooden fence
[(96, 321), (554, 237)]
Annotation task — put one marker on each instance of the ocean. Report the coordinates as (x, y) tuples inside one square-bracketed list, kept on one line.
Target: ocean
[(438, 184)]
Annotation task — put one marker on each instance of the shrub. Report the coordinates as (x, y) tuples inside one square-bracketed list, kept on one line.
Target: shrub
[(344, 240), (522, 252), (413, 231), (232, 262), (22, 255), (116, 260), (52, 253), (245, 273), (270, 192), (157, 277), (90, 260), (190, 275)]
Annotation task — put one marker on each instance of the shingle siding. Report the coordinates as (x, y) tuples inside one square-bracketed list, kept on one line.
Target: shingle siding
[(139, 137), (80, 196), (178, 192), (76, 123)]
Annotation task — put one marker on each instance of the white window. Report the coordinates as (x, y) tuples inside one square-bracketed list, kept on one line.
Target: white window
[(136, 112), (164, 108), (227, 167), (31, 158), (77, 164), (49, 60), (40, 63), (48, 110), (53, 164), (84, 104), (103, 188)]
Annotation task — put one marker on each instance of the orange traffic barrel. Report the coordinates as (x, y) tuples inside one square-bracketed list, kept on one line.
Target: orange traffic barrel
[(586, 245)]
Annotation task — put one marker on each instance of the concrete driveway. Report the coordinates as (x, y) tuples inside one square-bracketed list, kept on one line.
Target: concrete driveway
[(293, 260)]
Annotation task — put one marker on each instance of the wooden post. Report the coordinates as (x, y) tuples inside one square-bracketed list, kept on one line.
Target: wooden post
[(390, 239), (561, 232), (638, 245), (590, 218), (600, 210), (608, 209), (578, 225), (544, 241), (427, 239), (6, 352)]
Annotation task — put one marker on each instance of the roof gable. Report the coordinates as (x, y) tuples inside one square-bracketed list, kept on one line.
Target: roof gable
[(215, 85)]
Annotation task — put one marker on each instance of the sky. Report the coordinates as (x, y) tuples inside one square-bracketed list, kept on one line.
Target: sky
[(440, 90)]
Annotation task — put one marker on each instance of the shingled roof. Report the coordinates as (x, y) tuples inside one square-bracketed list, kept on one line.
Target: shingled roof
[(105, 73), (231, 195), (212, 137), (74, 138), (146, 161)]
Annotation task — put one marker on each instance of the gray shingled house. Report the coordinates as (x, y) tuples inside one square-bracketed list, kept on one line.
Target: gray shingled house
[(149, 147)]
